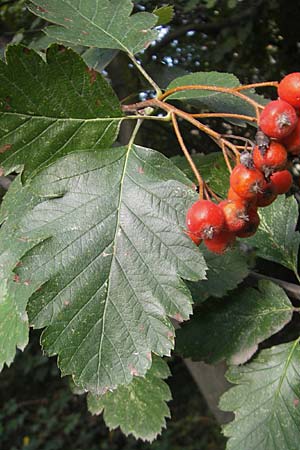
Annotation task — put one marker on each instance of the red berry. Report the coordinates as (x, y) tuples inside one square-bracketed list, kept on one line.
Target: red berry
[(281, 181), (220, 242), (278, 119), (232, 195), (194, 237), (246, 182), (292, 141), (235, 214), (205, 219), (274, 158), (252, 224), (289, 89), (267, 196)]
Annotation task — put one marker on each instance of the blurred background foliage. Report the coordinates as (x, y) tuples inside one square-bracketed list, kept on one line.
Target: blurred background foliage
[(256, 40)]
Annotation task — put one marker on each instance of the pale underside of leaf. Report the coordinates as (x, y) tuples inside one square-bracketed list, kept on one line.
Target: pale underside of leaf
[(109, 276), (243, 319), (266, 401), (277, 239), (97, 23)]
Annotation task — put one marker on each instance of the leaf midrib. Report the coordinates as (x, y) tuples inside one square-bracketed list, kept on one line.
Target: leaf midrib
[(112, 260), (63, 119)]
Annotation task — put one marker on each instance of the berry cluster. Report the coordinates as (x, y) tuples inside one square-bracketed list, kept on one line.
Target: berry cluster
[(257, 179)]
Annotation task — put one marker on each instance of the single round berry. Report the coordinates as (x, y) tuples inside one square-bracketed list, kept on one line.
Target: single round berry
[(252, 224), (274, 158), (205, 219), (194, 237), (267, 196), (235, 212), (278, 119), (246, 183), (220, 242), (292, 141), (289, 89), (281, 181)]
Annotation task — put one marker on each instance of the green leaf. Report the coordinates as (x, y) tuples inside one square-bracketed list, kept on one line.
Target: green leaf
[(97, 23), (266, 401), (165, 14), (109, 274), (50, 109), (233, 327), (95, 58), (13, 317), (215, 101), (276, 239), (140, 407), (212, 167), (225, 272)]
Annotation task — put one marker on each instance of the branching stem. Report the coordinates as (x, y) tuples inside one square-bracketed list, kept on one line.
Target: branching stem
[(188, 156), (145, 75), (219, 89), (257, 85)]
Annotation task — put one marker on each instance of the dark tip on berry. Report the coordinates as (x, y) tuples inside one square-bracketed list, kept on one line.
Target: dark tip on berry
[(283, 121), (247, 160), (209, 232), (262, 141)]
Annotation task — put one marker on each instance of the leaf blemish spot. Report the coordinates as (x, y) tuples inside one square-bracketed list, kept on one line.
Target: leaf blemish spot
[(92, 74), (178, 317), (66, 19), (42, 10), (296, 402), (140, 170), (5, 147), (27, 282), (16, 278), (133, 371)]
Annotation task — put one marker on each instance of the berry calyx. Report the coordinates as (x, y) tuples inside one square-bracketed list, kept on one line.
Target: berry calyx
[(278, 119), (246, 183), (289, 89), (281, 181), (250, 226), (205, 219), (235, 213), (292, 141), (274, 158), (220, 242), (267, 196)]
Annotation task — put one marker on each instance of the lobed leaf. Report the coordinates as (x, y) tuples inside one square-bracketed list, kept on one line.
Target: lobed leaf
[(165, 14), (14, 325), (212, 167), (140, 407), (235, 325), (215, 101), (96, 58), (266, 401), (49, 109), (109, 274), (277, 239), (97, 23), (224, 273)]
